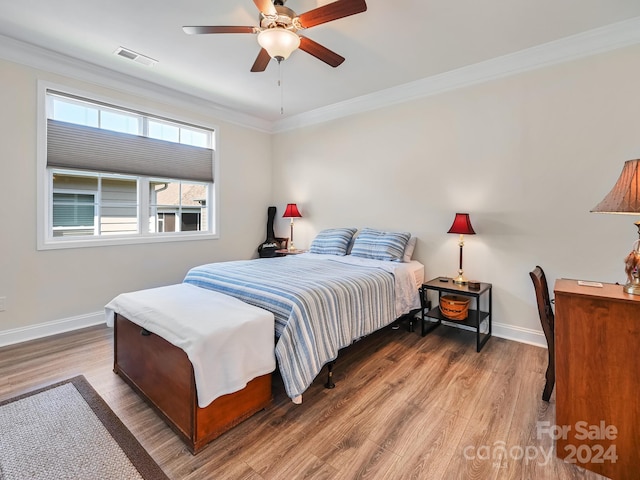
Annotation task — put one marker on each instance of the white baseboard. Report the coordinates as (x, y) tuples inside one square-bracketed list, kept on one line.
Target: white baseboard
[(519, 334), (509, 332), (19, 335), (32, 332)]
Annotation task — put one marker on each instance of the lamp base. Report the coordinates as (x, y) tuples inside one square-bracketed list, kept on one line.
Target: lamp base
[(633, 287), (460, 280), (291, 247)]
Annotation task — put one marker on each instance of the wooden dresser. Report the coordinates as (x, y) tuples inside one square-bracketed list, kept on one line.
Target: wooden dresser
[(597, 348)]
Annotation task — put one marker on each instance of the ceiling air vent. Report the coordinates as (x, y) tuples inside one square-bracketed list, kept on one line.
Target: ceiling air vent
[(136, 57)]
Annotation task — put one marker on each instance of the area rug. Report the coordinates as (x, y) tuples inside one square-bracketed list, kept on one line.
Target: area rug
[(67, 431)]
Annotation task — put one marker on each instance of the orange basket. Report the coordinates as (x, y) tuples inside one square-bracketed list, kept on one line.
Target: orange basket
[(454, 307)]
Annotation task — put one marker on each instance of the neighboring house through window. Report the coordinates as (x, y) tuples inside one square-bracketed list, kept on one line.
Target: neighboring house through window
[(73, 213), (117, 175)]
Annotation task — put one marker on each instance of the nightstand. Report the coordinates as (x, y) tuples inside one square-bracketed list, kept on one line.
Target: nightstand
[(284, 252), (476, 317)]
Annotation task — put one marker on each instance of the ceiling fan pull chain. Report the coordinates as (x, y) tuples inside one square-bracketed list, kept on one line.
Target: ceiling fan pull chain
[(280, 86)]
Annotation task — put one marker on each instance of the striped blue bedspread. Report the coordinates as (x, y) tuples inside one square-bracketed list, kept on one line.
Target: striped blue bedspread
[(320, 306)]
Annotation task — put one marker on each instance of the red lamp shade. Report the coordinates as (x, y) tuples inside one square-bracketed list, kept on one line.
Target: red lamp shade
[(462, 225), (291, 211)]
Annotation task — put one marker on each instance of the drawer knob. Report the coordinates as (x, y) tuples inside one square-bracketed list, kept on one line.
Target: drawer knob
[(144, 332)]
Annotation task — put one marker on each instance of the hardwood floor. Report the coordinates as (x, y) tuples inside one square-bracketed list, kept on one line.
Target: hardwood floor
[(404, 407)]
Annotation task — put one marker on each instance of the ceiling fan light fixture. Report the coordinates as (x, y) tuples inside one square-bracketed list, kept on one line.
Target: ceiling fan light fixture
[(278, 42)]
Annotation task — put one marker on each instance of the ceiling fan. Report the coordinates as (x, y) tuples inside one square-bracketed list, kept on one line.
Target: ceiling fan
[(277, 33)]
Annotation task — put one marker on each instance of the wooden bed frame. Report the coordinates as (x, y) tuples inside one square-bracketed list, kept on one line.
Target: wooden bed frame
[(162, 375)]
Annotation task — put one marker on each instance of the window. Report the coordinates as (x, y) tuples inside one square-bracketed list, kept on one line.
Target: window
[(117, 175), (177, 206), (73, 213), (95, 204)]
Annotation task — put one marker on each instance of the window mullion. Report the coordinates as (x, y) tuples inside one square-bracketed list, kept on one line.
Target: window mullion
[(143, 205), (97, 215), (179, 219)]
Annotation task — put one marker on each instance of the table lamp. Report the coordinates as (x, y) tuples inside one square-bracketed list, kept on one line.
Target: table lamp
[(291, 212), (624, 198), (462, 226)]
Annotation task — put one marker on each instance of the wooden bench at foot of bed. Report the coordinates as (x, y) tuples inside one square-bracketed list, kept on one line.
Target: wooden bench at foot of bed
[(162, 375)]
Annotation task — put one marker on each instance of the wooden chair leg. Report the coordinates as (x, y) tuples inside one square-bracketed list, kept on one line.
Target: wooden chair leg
[(546, 394), (551, 380)]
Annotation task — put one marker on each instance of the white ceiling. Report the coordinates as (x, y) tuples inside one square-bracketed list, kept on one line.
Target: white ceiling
[(393, 43)]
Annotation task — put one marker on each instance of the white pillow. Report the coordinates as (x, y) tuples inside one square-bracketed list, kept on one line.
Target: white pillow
[(408, 250)]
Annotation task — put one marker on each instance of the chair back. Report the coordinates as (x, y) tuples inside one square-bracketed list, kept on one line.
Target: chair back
[(545, 311), (547, 320)]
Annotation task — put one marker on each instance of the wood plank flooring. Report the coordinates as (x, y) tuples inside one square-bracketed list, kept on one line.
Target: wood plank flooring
[(404, 407)]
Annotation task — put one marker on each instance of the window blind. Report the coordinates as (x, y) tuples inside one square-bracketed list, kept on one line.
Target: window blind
[(73, 210), (78, 146)]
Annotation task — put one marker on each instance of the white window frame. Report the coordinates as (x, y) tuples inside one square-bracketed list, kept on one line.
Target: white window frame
[(45, 239)]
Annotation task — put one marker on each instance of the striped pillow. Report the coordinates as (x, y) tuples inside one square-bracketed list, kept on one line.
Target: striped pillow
[(332, 241), (379, 245)]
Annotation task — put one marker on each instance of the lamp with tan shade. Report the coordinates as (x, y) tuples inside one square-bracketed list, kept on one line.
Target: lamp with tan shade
[(624, 198)]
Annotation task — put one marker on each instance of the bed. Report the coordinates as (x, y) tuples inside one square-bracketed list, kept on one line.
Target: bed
[(317, 302), (321, 302)]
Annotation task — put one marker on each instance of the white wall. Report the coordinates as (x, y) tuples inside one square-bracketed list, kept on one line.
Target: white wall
[(70, 286), (527, 156)]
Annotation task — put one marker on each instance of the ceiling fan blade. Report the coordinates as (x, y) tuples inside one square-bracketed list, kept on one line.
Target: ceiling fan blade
[(266, 7), (219, 29), (332, 11), (320, 52), (261, 62)]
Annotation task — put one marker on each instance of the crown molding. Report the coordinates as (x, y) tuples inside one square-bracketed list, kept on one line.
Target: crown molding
[(592, 42), (53, 62)]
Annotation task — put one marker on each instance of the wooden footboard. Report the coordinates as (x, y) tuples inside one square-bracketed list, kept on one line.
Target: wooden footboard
[(162, 375)]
